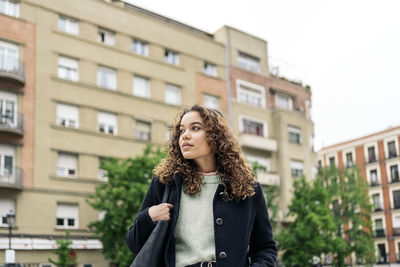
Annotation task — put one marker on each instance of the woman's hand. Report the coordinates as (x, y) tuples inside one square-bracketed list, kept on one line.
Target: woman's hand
[(161, 212)]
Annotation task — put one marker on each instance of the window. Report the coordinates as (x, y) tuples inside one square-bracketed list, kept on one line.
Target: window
[(140, 47), (394, 173), (349, 160), (9, 7), (332, 162), (171, 57), (7, 169), (382, 257), (106, 37), (87, 265), (172, 94), (253, 127), (8, 109), (248, 62), (379, 230), (142, 130), (319, 164), (261, 161), (377, 202), (67, 216), (294, 134), (102, 174), (284, 101), (6, 205), (371, 154), (396, 199), (374, 177), (107, 123), (392, 149), (46, 265), (68, 116), (106, 78), (141, 87), (9, 55), (211, 101), (250, 96), (68, 68), (68, 25), (67, 165), (396, 221), (296, 168), (210, 69)]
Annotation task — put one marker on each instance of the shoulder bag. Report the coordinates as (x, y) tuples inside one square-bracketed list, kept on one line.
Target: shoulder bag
[(152, 253)]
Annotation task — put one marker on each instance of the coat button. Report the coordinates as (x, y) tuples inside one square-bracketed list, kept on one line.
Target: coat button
[(219, 221), (222, 255)]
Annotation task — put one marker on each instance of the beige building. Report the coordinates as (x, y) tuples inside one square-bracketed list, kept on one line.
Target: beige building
[(91, 86), (377, 155), (270, 115)]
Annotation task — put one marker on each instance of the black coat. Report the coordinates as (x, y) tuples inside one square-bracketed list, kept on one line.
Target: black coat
[(242, 230)]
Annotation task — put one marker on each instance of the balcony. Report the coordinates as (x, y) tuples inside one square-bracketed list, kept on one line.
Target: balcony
[(258, 142), (375, 183), (371, 159), (378, 208), (383, 259), (15, 126), (392, 154), (12, 70), (11, 180), (380, 233), (396, 231), (268, 178), (395, 180)]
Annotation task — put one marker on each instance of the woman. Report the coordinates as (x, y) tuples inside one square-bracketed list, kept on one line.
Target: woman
[(217, 212)]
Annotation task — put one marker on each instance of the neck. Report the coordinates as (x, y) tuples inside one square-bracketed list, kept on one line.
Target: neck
[(206, 164)]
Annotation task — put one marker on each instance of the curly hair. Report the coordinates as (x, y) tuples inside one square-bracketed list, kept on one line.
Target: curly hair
[(237, 176)]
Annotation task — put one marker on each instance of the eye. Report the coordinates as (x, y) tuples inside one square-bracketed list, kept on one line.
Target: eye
[(195, 128), (181, 131)]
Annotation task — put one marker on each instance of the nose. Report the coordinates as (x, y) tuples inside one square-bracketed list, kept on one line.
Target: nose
[(186, 135)]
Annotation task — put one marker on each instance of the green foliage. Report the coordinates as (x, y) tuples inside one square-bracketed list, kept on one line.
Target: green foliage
[(332, 216), (272, 196), (120, 200), (66, 256)]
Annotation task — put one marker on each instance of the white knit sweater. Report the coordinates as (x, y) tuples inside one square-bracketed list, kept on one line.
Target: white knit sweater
[(194, 231)]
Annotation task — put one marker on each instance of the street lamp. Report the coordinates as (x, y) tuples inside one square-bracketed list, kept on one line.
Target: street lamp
[(10, 222)]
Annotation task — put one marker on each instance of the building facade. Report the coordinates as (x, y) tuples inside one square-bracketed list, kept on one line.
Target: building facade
[(377, 155), (84, 80)]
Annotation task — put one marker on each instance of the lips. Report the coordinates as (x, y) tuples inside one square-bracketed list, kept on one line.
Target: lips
[(186, 145)]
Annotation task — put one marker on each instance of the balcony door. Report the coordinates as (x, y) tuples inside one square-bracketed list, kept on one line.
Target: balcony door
[(7, 163), (8, 56), (8, 109)]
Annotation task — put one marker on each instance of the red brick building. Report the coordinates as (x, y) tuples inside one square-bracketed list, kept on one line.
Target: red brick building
[(378, 157)]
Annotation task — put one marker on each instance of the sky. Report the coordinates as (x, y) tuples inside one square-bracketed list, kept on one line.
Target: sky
[(348, 51)]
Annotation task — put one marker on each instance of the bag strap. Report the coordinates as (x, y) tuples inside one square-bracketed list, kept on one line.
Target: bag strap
[(166, 194)]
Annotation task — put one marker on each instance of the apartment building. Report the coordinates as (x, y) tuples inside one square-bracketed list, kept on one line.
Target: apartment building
[(93, 79), (377, 155), (270, 115)]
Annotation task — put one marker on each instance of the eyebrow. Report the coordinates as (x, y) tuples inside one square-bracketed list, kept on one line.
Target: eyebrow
[(196, 122)]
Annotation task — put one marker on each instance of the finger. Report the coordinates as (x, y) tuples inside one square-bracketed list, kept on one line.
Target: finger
[(170, 206)]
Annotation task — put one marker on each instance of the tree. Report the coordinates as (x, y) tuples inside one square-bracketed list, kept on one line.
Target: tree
[(120, 200), (272, 195), (66, 256), (332, 217), (307, 237), (351, 209)]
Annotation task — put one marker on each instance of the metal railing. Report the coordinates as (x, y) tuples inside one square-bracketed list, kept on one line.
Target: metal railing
[(14, 124), (11, 179), (13, 68)]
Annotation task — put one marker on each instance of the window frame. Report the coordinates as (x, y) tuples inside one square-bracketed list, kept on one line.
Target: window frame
[(71, 73), (71, 24), (243, 87)]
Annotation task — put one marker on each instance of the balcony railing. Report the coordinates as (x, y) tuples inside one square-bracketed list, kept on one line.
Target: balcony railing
[(382, 259), (11, 180), (371, 159), (392, 154), (375, 183), (395, 179), (12, 69), (378, 208), (396, 231), (380, 233), (15, 125)]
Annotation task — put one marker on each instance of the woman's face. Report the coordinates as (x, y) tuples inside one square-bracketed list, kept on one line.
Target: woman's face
[(192, 139)]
